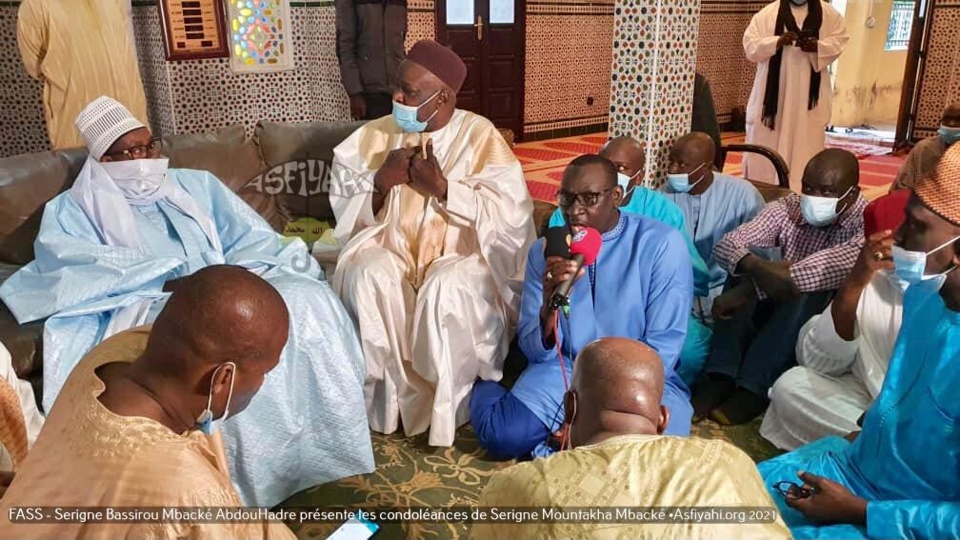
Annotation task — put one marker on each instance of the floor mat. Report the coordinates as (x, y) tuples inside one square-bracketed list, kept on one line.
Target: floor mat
[(411, 473)]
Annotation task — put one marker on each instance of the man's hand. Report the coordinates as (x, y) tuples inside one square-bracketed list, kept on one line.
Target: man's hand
[(426, 174), (558, 270), (877, 254), (789, 38), (852, 436), (729, 303), (774, 279), (830, 502), (395, 170), (809, 44), (358, 107)]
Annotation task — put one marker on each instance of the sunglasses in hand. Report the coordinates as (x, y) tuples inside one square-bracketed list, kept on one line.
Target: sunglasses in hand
[(792, 489)]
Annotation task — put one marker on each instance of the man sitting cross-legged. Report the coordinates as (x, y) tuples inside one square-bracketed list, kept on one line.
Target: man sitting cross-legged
[(757, 320), (620, 459), (640, 287), (898, 478), (112, 248), (136, 422)]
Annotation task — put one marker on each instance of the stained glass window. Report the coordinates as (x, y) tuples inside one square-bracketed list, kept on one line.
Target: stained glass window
[(260, 35)]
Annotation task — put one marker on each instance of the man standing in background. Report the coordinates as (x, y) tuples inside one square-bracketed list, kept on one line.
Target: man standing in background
[(370, 35), (792, 42), (80, 52)]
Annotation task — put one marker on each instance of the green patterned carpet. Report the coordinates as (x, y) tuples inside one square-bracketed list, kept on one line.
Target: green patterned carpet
[(411, 473)]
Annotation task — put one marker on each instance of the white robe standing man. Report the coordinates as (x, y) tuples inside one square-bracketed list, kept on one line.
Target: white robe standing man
[(792, 42), (435, 221)]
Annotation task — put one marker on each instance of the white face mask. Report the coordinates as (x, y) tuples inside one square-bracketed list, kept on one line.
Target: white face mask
[(624, 182), (138, 179), (820, 211)]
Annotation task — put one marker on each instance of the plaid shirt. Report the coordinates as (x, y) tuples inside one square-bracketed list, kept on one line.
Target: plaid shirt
[(821, 256)]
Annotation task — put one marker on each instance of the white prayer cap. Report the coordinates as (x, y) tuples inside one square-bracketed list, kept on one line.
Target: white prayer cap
[(104, 121)]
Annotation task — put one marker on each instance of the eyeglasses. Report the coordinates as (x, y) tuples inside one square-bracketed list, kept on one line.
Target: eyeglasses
[(141, 150), (792, 489), (566, 199)]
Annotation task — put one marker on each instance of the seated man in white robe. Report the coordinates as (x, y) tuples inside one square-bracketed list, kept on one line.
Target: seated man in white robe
[(112, 248), (843, 354), (435, 221)]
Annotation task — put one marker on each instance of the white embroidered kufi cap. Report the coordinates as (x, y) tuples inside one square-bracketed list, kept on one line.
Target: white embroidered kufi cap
[(104, 121)]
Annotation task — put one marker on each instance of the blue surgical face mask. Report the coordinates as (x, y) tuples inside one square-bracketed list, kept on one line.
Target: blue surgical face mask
[(680, 182), (205, 421), (798, 2), (911, 266), (406, 116), (624, 182), (949, 135), (820, 211)]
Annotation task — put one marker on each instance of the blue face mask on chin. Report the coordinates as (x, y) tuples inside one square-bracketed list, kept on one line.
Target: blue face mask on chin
[(798, 2), (406, 116), (949, 135)]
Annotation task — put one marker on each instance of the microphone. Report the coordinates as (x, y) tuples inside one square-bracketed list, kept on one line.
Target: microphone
[(584, 248)]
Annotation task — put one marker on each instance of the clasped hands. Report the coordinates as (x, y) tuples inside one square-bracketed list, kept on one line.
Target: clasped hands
[(408, 166), (804, 43)]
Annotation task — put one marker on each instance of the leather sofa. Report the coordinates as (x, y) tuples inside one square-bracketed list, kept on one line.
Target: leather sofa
[(279, 171)]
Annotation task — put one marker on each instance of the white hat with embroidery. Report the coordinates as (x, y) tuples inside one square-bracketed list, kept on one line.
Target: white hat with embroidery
[(104, 121)]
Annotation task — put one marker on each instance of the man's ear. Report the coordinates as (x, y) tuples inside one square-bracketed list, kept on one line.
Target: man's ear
[(617, 197), (664, 419)]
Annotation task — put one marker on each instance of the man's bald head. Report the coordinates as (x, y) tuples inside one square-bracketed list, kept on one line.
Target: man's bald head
[(694, 148), (219, 314), (617, 389), (627, 154)]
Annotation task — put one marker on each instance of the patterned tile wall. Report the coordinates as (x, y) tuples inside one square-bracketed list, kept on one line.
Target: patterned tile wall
[(940, 85), (720, 55), (567, 67), (654, 58), (154, 70), (204, 95), (421, 23), (23, 128)]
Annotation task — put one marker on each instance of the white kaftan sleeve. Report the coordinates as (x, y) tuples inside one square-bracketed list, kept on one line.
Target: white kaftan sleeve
[(759, 41), (821, 349), (351, 190), (495, 201), (833, 39)]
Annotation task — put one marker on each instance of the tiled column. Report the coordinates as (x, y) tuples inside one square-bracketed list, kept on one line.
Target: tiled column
[(654, 58)]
